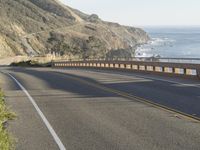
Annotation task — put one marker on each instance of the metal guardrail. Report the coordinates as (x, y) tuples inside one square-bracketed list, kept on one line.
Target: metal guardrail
[(148, 59), (158, 65)]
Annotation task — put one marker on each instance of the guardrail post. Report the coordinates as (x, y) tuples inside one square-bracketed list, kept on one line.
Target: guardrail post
[(185, 71), (131, 66), (163, 69), (198, 73), (173, 70), (145, 68), (154, 68)]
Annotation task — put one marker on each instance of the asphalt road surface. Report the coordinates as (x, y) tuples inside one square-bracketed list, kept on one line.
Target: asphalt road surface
[(100, 110)]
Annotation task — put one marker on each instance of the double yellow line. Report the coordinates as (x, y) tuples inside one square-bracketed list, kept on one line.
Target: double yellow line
[(132, 97)]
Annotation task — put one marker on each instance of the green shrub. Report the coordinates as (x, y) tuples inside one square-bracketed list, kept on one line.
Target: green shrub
[(6, 142), (30, 63)]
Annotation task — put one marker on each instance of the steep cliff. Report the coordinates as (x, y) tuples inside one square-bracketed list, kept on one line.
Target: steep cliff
[(40, 27)]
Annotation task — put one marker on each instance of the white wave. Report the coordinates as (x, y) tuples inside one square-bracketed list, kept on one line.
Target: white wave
[(160, 41), (143, 55), (147, 50)]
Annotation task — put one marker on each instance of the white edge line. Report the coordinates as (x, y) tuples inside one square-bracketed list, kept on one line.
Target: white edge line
[(44, 119)]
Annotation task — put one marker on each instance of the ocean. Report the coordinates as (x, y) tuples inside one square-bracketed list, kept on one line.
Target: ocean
[(176, 42)]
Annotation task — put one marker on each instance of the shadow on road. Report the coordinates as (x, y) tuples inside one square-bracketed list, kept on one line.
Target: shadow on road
[(183, 98)]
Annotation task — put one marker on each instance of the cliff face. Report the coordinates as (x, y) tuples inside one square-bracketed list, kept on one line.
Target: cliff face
[(39, 27)]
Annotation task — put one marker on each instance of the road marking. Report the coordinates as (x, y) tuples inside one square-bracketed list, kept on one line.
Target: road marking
[(135, 98), (150, 78), (44, 119)]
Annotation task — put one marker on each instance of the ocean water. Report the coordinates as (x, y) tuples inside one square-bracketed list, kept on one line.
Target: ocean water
[(171, 42)]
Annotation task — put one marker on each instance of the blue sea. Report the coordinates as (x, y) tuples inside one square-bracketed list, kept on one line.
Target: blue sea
[(176, 42)]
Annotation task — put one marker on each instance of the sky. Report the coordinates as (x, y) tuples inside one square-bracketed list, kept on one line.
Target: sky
[(142, 12)]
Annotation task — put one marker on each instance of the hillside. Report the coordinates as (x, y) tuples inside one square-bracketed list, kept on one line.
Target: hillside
[(40, 27)]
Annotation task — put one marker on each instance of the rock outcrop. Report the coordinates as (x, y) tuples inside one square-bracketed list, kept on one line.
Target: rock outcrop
[(40, 27)]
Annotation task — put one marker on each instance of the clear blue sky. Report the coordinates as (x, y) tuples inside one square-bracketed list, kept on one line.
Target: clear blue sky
[(142, 12)]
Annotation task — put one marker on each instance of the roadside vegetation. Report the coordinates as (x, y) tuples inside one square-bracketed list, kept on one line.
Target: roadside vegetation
[(30, 63), (6, 141)]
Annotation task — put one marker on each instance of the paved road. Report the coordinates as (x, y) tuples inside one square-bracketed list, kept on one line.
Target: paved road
[(86, 114)]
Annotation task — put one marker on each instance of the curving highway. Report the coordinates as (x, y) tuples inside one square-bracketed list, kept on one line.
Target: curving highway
[(101, 110)]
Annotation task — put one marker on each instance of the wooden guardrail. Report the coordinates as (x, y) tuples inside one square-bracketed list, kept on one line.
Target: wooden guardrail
[(182, 69)]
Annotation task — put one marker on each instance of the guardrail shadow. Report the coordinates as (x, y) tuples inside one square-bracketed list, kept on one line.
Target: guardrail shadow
[(61, 82), (184, 98)]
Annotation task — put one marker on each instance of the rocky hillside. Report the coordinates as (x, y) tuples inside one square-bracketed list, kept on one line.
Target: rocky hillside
[(40, 27)]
